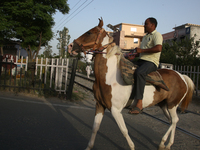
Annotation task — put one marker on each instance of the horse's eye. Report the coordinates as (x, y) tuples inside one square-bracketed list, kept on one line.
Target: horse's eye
[(88, 33)]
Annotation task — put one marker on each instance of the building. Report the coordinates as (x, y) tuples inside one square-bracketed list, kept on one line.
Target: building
[(13, 48), (182, 31), (128, 36)]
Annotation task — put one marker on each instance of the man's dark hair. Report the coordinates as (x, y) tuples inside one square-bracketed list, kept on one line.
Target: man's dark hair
[(153, 21)]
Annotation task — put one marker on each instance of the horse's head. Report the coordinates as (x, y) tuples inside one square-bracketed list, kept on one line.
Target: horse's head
[(89, 40)]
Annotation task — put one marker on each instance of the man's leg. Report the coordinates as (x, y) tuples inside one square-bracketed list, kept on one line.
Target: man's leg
[(140, 74)]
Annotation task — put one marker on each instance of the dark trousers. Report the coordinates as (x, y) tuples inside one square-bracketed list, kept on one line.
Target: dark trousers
[(144, 68)]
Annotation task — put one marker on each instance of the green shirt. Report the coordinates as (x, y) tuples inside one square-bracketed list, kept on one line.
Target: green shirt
[(148, 41)]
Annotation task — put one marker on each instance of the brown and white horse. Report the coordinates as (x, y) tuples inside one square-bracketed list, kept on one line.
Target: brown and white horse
[(112, 93)]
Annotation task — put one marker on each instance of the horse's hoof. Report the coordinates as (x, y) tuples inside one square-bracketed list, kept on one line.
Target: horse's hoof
[(162, 148)]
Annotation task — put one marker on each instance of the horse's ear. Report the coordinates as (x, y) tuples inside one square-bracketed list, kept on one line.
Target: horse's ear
[(100, 23)]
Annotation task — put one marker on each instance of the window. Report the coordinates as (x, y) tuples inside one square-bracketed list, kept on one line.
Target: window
[(134, 29), (135, 40)]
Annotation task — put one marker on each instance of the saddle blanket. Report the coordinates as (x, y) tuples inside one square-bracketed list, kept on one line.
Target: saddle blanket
[(127, 72)]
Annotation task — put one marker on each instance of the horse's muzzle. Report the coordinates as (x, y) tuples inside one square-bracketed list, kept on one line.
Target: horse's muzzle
[(72, 48)]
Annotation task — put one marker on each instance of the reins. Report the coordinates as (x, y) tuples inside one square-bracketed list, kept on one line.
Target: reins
[(100, 50)]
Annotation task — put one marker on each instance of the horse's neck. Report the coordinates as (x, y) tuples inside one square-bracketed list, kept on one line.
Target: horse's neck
[(106, 40), (112, 49), (108, 67)]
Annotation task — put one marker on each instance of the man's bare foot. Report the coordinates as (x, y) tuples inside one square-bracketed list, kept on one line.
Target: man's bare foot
[(137, 109)]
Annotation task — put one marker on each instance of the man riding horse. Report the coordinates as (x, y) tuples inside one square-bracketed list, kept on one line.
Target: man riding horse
[(112, 93), (149, 51)]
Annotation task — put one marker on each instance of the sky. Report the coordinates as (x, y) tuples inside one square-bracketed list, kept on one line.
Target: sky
[(84, 14)]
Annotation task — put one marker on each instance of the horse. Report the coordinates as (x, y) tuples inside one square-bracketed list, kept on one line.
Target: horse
[(112, 93)]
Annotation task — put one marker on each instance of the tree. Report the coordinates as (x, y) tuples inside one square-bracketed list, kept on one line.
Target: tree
[(6, 25), (48, 51), (30, 21), (182, 52), (168, 54), (63, 39)]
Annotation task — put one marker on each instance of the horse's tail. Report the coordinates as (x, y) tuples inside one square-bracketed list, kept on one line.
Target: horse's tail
[(189, 94)]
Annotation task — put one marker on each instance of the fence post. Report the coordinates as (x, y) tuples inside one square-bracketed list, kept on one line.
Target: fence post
[(1, 57), (71, 83)]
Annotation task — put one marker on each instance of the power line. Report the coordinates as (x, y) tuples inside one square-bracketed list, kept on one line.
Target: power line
[(80, 11), (72, 13), (70, 10), (76, 4), (66, 21)]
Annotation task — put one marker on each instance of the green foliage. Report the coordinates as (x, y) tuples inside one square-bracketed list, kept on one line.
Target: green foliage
[(63, 39), (29, 21), (168, 54), (48, 51), (182, 52), (81, 66)]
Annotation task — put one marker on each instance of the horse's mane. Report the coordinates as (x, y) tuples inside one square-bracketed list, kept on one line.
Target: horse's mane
[(115, 50)]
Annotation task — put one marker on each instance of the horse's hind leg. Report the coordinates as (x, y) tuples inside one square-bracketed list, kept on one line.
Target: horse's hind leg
[(120, 121), (163, 106), (97, 121), (172, 128)]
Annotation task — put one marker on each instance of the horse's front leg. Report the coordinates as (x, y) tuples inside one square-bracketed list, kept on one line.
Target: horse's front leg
[(97, 121), (120, 121)]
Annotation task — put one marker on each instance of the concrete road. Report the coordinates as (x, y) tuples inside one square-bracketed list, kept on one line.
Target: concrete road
[(51, 124)]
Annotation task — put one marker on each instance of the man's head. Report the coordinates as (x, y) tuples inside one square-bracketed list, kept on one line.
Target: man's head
[(150, 25)]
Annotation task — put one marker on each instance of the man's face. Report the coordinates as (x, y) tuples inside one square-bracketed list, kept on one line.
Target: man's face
[(148, 26)]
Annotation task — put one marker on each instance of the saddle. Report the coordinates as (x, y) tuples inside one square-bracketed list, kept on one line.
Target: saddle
[(127, 71)]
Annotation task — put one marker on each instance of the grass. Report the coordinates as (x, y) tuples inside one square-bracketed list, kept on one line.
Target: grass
[(78, 94)]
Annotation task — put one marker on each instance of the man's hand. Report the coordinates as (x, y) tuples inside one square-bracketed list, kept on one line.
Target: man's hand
[(138, 50)]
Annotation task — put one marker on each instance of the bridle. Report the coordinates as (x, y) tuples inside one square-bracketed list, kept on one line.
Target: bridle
[(95, 43), (99, 50)]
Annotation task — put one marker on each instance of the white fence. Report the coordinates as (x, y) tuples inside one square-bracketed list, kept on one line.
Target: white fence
[(54, 70), (59, 66)]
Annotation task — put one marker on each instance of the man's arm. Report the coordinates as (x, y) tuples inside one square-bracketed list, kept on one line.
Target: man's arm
[(155, 49)]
